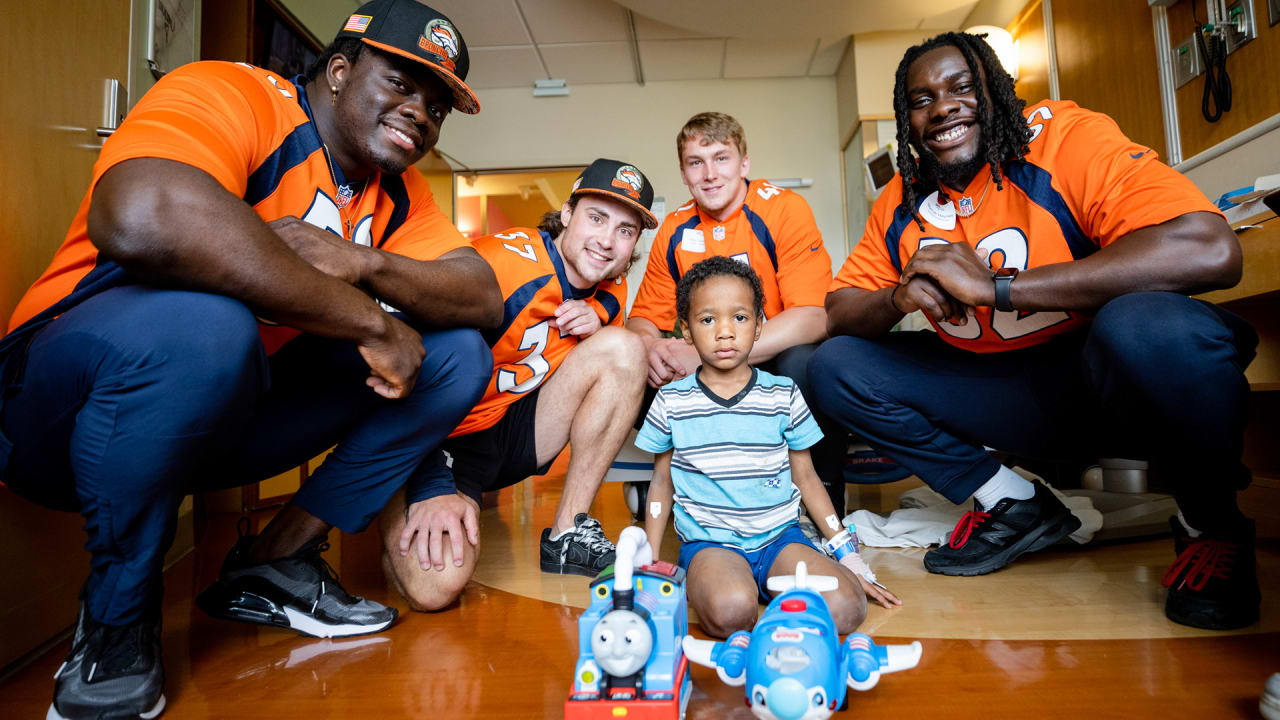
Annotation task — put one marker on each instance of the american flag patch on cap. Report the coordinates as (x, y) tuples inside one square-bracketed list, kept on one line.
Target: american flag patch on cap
[(357, 23)]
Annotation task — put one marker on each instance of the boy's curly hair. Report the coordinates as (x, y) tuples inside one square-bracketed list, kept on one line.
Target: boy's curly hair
[(716, 266)]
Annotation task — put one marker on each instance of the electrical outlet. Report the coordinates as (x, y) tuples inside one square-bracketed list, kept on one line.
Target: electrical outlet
[(1186, 62), (1240, 24)]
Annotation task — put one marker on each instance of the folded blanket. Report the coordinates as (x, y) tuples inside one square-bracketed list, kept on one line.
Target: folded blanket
[(926, 519)]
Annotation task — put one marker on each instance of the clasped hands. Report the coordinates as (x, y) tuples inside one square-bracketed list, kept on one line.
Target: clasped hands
[(393, 351), (947, 281)]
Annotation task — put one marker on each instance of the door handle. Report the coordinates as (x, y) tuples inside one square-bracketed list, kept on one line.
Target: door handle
[(115, 105)]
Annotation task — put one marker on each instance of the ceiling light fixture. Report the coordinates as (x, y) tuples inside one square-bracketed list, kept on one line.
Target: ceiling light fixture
[(792, 182), (551, 87), (1002, 43)]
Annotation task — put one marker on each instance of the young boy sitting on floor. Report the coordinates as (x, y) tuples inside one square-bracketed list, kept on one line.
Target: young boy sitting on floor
[(731, 444)]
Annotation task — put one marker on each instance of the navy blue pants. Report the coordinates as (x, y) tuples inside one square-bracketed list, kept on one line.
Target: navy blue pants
[(1156, 376), (138, 396)]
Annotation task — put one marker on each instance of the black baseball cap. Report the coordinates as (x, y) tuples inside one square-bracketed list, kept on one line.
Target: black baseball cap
[(620, 181), (410, 29)]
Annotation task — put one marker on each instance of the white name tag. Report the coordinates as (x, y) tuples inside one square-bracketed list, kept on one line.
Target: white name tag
[(693, 241), (942, 216)]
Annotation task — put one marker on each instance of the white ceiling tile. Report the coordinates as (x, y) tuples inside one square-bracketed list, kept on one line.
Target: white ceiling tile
[(650, 29), (827, 60), (504, 67), (590, 62), (681, 59), (485, 22), (767, 58), (566, 21)]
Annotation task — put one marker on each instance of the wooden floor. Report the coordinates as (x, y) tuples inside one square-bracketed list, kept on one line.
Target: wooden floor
[(1078, 633)]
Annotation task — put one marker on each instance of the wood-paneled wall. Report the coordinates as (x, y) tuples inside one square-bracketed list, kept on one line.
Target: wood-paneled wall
[(1107, 62), (1033, 53), (226, 30), (1254, 75), (51, 106)]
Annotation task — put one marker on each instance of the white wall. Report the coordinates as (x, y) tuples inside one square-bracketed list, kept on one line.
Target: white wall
[(1239, 167), (790, 125), (847, 93), (877, 56)]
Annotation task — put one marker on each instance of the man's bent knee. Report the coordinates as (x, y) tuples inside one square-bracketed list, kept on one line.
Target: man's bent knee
[(427, 590), (424, 590), (1150, 325), (621, 350)]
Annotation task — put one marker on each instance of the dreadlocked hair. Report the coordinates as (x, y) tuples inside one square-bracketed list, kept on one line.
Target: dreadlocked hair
[(1004, 129)]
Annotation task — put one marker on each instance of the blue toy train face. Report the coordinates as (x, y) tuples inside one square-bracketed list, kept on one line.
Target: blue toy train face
[(621, 642), (793, 671)]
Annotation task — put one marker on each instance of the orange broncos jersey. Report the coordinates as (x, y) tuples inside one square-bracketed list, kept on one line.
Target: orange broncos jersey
[(251, 130), (1082, 186), (526, 348), (774, 232)]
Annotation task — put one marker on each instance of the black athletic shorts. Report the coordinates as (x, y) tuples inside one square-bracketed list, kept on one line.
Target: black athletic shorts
[(499, 456)]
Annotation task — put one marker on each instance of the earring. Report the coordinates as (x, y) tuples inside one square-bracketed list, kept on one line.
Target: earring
[(333, 99)]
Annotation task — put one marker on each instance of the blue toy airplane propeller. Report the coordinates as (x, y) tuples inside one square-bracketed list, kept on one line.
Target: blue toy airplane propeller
[(792, 663)]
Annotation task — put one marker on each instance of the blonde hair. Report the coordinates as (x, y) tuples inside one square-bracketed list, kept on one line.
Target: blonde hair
[(711, 127)]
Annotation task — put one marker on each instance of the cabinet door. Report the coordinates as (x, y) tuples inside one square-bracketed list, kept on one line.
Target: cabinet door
[(60, 54)]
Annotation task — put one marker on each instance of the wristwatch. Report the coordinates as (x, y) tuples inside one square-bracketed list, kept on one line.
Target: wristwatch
[(1003, 279)]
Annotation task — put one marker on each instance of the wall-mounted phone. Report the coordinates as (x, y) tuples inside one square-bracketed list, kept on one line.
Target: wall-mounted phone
[(1187, 65), (1235, 19)]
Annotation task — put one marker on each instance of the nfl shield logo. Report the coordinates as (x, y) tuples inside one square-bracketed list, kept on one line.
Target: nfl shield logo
[(344, 195), (718, 233), (965, 209)]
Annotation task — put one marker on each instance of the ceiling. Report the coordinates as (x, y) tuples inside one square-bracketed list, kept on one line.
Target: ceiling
[(515, 42)]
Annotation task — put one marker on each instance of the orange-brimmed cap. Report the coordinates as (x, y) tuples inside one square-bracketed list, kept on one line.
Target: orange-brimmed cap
[(621, 181), (410, 29)]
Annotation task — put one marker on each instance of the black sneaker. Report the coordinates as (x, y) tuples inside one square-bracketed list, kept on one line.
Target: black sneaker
[(1214, 582), (584, 550), (299, 592), (985, 541), (111, 672)]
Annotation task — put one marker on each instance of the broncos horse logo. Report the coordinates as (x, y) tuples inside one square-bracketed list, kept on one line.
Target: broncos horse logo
[(631, 176), (442, 33)]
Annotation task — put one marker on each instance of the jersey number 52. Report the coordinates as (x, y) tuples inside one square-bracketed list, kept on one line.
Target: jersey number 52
[(1005, 248)]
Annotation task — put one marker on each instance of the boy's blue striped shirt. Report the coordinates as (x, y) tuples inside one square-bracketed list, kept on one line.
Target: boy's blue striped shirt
[(731, 468)]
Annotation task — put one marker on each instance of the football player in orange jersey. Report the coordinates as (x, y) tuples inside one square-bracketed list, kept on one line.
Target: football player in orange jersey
[(769, 228), (136, 368), (565, 371), (1054, 257)]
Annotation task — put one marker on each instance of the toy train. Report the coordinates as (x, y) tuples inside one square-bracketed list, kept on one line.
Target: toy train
[(631, 661), (792, 663)]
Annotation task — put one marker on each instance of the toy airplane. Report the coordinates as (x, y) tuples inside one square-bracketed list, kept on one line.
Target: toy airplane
[(630, 660), (793, 663)]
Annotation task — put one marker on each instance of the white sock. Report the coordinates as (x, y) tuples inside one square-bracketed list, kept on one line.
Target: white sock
[(1004, 484), (557, 535), (1190, 530)]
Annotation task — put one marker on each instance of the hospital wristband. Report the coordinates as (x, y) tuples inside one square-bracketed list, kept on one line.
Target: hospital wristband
[(841, 545)]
